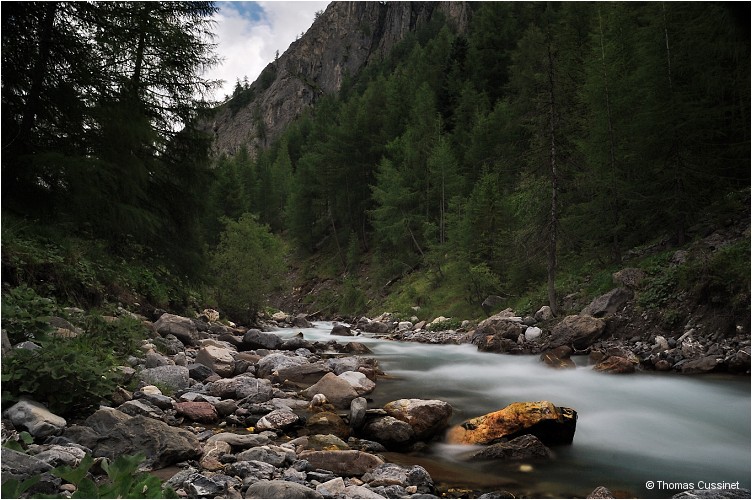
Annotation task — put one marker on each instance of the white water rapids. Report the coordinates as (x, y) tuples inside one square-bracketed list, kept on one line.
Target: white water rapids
[(631, 429)]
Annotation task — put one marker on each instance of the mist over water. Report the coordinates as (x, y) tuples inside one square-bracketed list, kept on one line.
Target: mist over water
[(631, 429)]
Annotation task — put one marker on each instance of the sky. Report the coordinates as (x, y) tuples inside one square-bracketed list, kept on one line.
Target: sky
[(249, 34)]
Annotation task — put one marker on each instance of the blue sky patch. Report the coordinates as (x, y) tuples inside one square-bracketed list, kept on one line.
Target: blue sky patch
[(249, 10)]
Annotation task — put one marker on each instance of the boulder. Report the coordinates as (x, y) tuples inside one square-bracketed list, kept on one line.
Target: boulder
[(327, 422), (182, 328), (213, 452), (706, 364), (342, 330), (141, 407), (239, 440), (608, 303), (277, 361), (256, 339), (163, 445), (490, 303), (522, 448), (376, 327), (543, 314), (280, 316), (558, 357), (600, 492), (306, 373), (280, 489), (551, 424), (20, 464), (396, 475), (173, 377), (334, 488), (577, 331), (358, 408), (356, 491), (197, 411), (219, 359), (617, 364), (338, 391), (270, 454), (252, 390), (278, 420), (630, 277), (301, 321), (713, 494), (362, 384), (532, 333), (342, 462), (427, 417), (35, 418), (389, 431)]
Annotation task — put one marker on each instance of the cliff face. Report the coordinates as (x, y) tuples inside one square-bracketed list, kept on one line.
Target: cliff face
[(342, 40)]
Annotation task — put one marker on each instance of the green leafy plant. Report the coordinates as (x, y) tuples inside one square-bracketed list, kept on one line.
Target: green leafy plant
[(26, 315), (123, 480), (69, 375)]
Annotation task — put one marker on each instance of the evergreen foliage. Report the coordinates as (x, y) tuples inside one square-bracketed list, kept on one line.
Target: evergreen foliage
[(546, 132)]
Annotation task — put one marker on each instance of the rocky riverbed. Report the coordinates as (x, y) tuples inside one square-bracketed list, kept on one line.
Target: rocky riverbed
[(229, 412)]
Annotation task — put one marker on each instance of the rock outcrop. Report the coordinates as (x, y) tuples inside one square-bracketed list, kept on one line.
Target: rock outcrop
[(343, 39)]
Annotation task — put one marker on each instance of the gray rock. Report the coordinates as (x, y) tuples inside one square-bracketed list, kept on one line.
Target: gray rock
[(199, 372), (712, 494), (577, 331), (358, 407), (169, 344), (251, 470), (389, 431), (358, 381), (182, 328), (334, 488), (342, 330), (526, 447), (105, 418), (201, 486), (141, 407), (154, 359), (35, 418), (219, 359), (630, 277), (21, 464), (376, 327), (601, 492), (307, 373), (301, 321), (544, 314), (239, 440), (532, 333), (273, 455), (342, 462), (278, 420), (338, 391), (608, 303), (58, 455), (355, 491), (173, 377), (392, 474), (280, 489), (426, 416), (163, 445), (256, 339), (277, 361)]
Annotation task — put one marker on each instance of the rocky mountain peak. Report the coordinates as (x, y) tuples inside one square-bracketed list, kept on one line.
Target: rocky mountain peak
[(344, 39)]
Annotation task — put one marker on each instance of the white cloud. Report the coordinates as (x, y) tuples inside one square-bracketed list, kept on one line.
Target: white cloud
[(249, 36)]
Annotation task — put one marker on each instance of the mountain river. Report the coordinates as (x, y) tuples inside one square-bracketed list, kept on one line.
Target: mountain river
[(645, 435)]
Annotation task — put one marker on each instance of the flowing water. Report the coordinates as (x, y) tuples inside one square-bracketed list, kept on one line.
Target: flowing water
[(631, 429)]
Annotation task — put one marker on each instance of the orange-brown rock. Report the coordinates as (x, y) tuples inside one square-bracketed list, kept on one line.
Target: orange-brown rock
[(553, 425)]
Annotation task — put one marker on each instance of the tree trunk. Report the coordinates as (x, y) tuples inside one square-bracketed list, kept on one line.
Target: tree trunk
[(554, 216)]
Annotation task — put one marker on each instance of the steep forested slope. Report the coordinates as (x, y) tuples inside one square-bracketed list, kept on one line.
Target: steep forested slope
[(491, 155)]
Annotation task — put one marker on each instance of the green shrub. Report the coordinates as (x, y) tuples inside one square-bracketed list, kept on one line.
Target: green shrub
[(72, 376), (123, 481), (26, 315), (247, 265)]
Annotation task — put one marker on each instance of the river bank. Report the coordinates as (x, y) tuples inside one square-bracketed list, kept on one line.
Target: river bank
[(261, 428)]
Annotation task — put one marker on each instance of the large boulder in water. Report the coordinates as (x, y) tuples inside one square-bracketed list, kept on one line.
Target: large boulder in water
[(426, 416), (553, 425)]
